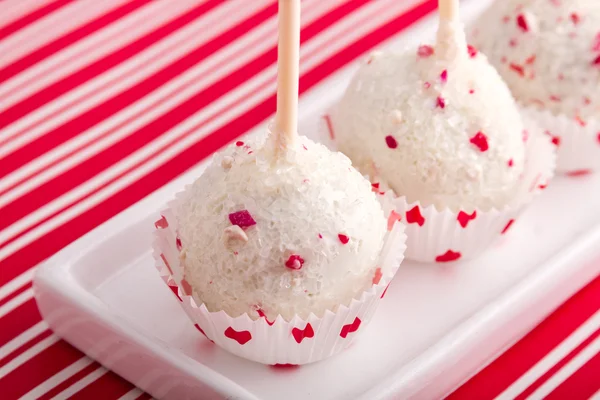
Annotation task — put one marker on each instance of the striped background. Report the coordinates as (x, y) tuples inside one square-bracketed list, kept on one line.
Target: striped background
[(103, 102)]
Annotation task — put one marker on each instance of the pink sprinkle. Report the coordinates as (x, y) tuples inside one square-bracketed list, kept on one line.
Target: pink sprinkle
[(343, 238), (596, 46), (510, 162), (294, 262), (518, 69), (471, 91), (391, 142), (427, 85), (304, 147), (531, 59), (522, 23), (506, 19), (580, 121), (425, 51), (587, 101), (480, 141), (598, 137), (525, 135), (243, 219), (320, 236), (441, 103), (239, 143), (512, 42), (554, 98), (596, 61), (327, 119), (472, 51)]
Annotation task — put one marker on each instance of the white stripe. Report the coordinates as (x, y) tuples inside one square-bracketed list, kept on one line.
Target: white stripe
[(596, 396), (16, 302), (132, 394), (567, 370), (28, 355), (16, 283), (58, 378), (23, 338), (12, 10), (184, 86), (80, 384), (118, 79), (52, 26), (182, 144), (552, 358), (91, 48)]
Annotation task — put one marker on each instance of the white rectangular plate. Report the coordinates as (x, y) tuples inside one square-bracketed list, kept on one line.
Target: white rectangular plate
[(438, 323)]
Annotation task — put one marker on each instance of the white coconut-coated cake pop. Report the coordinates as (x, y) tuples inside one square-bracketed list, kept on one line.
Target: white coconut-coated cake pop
[(437, 124), (287, 235), (547, 51)]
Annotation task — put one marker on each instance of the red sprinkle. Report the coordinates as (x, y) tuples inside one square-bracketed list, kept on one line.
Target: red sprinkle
[(508, 225), (522, 23), (444, 76), (178, 243), (377, 276), (394, 216), (239, 143), (596, 61), (353, 327), (598, 137), (575, 18), (425, 51), (579, 172), (294, 262), (531, 59), (391, 142), (161, 223), (511, 162), (343, 238), (472, 51), (518, 69), (327, 119), (301, 334), (480, 140), (243, 219), (463, 218), (413, 216), (441, 103), (580, 121), (320, 236), (448, 256), (242, 337)]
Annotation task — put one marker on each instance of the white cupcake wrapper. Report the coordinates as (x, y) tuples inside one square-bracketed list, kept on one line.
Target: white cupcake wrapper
[(280, 342), (444, 236), (578, 142)]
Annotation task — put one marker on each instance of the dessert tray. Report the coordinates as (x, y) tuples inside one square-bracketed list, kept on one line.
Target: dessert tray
[(438, 323)]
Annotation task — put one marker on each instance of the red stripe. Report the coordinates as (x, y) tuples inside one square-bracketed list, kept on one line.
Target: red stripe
[(26, 346), (69, 38), (517, 360), (32, 17), (99, 162), (41, 367), (540, 381), (45, 246), (15, 293), (68, 382), (108, 386), (18, 320), (583, 384), (66, 84)]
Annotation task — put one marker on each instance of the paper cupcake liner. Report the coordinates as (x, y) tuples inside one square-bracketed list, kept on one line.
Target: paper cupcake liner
[(444, 236), (298, 341), (577, 142)]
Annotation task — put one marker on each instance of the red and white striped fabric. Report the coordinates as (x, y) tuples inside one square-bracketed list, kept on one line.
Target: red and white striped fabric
[(103, 102)]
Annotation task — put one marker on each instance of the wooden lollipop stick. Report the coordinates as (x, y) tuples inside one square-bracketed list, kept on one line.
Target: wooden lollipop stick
[(448, 9), (286, 118)]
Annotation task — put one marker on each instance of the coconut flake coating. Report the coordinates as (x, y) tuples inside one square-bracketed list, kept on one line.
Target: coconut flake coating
[(548, 52), (317, 233), (439, 131)]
